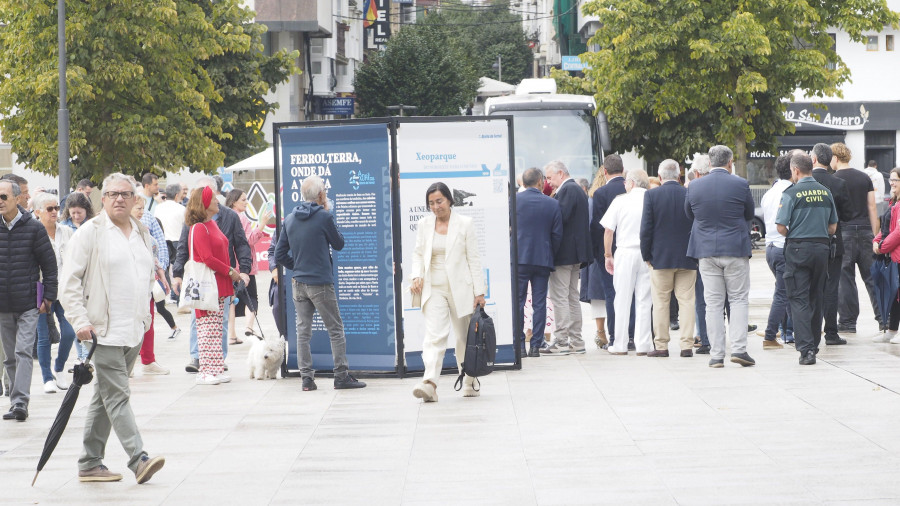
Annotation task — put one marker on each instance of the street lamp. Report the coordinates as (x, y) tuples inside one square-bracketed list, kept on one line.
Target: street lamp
[(402, 108), (65, 176), (499, 66)]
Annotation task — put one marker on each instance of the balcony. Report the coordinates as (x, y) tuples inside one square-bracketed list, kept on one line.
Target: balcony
[(310, 16)]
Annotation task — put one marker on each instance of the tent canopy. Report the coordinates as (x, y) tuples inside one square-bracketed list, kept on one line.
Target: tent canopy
[(494, 88), (259, 161)]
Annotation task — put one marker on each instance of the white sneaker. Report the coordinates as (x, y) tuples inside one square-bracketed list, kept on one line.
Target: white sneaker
[(895, 339), (223, 378), (207, 379), (884, 337), (469, 388), (154, 368), (425, 391), (50, 387), (175, 333), (61, 382)]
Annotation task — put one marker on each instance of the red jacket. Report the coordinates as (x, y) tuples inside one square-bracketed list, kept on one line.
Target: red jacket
[(210, 246), (891, 243)]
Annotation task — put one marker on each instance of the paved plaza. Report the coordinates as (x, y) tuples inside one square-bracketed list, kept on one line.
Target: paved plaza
[(590, 429)]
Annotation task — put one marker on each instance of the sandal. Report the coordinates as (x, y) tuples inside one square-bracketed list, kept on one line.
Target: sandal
[(235, 341)]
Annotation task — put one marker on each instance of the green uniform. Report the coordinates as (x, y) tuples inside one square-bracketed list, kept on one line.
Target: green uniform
[(807, 209)]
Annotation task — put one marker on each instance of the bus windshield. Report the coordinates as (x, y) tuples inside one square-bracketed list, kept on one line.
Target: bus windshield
[(566, 135)]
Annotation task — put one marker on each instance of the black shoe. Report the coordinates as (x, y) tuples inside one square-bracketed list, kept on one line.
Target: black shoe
[(703, 350), (193, 366), (674, 326), (535, 352), (687, 353), (848, 329), (347, 383), (309, 384), (18, 412), (523, 352), (835, 341), (808, 359), (742, 358), (751, 328), (716, 363), (631, 346)]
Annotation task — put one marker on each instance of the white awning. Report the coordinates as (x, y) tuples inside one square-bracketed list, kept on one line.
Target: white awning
[(259, 161), (494, 88)]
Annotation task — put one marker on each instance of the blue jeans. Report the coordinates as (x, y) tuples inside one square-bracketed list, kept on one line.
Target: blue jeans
[(195, 352), (780, 307), (66, 338), (539, 277)]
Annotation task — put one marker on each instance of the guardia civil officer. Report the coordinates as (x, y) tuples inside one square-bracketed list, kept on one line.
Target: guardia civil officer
[(807, 218)]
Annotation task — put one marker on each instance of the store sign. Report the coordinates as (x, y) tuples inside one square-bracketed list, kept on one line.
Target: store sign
[(377, 23), (815, 117), (844, 116), (339, 106), (573, 63)]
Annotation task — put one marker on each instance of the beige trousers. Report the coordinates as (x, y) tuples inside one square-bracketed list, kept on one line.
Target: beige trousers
[(662, 283)]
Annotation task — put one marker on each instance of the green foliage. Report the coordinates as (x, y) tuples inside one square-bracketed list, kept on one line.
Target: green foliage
[(151, 85), (675, 76), (418, 67)]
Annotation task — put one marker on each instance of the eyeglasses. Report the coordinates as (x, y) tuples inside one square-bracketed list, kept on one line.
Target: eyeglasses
[(50, 209), (891, 180), (116, 195), (163, 197)]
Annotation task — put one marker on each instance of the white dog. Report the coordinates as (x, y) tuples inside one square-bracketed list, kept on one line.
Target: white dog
[(265, 357)]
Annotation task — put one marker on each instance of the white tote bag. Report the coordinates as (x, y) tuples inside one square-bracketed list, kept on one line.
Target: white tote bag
[(198, 287)]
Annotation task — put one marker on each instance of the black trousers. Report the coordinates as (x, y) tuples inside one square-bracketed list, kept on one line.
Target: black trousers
[(832, 287), (805, 270)]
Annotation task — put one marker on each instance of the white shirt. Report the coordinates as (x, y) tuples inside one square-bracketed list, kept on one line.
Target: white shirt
[(63, 234), (11, 224), (130, 278), (171, 214), (624, 218), (877, 182), (770, 203), (150, 204)]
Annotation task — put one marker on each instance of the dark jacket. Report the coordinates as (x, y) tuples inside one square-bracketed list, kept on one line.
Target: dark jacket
[(841, 195), (308, 234), (665, 229), (27, 254), (539, 228), (591, 284), (602, 198), (721, 207), (576, 238), (239, 252)]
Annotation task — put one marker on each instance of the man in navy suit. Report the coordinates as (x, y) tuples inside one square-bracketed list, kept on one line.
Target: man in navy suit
[(665, 230), (539, 233), (603, 197), (574, 253), (721, 206)]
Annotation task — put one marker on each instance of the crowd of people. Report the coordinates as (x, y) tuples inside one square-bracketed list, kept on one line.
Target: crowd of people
[(661, 254), (652, 254)]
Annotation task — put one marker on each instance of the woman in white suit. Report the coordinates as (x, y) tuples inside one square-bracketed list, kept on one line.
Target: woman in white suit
[(447, 273)]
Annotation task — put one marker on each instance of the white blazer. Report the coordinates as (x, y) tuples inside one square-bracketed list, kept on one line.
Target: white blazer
[(463, 262)]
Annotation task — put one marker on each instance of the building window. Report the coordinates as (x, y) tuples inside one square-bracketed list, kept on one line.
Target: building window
[(317, 67), (888, 42), (831, 65), (872, 44)]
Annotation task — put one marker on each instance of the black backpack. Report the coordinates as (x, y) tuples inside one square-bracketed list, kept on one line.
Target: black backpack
[(481, 348)]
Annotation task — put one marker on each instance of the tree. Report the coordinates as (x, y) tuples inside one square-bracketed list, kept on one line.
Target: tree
[(153, 86), (418, 67), (485, 32), (670, 70)]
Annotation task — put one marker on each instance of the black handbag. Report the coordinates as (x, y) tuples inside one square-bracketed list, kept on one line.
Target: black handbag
[(481, 348)]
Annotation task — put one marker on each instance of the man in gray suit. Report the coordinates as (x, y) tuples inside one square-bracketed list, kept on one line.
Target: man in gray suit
[(720, 205)]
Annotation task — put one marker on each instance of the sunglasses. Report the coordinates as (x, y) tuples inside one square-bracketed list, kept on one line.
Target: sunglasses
[(50, 209), (163, 197), (3, 196)]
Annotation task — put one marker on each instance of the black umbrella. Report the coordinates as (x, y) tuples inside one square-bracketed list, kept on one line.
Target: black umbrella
[(82, 375), (885, 283), (248, 301)]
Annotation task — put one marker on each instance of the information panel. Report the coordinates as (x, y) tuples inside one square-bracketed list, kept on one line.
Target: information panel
[(354, 161), (472, 158)]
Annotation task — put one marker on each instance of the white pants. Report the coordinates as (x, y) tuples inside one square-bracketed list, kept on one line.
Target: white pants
[(440, 318), (631, 279)]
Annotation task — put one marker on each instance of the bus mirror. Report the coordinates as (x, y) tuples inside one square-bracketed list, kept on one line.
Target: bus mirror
[(603, 132)]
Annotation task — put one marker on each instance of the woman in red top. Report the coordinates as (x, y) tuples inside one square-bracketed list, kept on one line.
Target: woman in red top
[(888, 243), (210, 246)]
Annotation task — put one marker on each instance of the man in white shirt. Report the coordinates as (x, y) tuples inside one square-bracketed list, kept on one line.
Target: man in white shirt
[(92, 278), (631, 275), (878, 183), (770, 203), (150, 188), (171, 214)]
